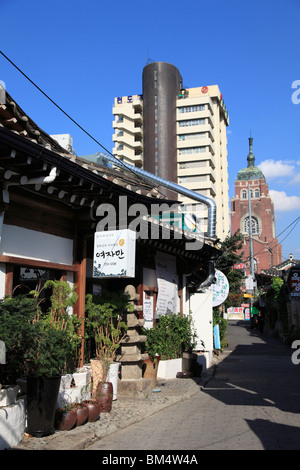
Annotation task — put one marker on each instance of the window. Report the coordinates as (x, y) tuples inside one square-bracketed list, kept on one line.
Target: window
[(255, 225), (196, 135), (193, 179), (191, 109), (256, 192), (189, 150), (244, 194), (183, 166), (192, 122)]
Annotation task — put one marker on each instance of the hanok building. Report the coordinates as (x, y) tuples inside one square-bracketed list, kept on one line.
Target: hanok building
[(48, 219), (251, 181)]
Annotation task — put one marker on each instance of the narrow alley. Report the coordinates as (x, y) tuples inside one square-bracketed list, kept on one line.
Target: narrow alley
[(251, 403)]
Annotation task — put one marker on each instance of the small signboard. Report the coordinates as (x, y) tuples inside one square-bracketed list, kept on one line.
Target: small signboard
[(294, 282), (235, 313), (114, 254)]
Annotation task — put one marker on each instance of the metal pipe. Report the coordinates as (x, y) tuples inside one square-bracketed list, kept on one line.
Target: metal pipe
[(44, 179), (210, 203), (250, 234)]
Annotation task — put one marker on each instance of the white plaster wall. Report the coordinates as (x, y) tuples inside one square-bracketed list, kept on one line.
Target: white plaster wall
[(25, 243), (201, 310)]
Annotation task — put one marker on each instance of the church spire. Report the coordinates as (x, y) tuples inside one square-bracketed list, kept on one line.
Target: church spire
[(251, 158)]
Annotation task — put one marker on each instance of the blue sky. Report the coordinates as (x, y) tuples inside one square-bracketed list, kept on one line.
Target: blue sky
[(83, 54)]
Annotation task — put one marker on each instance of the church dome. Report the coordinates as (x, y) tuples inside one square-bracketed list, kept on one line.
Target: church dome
[(251, 172)]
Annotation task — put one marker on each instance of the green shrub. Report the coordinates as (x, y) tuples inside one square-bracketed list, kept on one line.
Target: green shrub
[(105, 327), (43, 342), (16, 316)]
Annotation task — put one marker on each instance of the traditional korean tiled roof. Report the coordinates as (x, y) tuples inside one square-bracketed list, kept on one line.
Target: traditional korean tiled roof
[(79, 180), (281, 267), (13, 118)]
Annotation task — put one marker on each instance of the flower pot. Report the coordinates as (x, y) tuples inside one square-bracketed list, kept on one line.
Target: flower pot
[(187, 362), (65, 420), (42, 394), (94, 410), (97, 372), (65, 381), (113, 377), (104, 395), (167, 369), (150, 369), (82, 413)]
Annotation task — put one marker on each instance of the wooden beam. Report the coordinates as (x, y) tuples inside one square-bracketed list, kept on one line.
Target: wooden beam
[(37, 263), (9, 280), (79, 307)]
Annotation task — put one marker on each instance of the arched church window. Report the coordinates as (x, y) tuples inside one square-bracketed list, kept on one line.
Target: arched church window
[(255, 225), (256, 192), (244, 194)]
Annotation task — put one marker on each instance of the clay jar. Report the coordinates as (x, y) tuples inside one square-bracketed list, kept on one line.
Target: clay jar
[(104, 396), (65, 420), (94, 410), (82, 413)]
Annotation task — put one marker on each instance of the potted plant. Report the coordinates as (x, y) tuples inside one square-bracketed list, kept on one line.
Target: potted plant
[(172, 335), (94, 410), (82, 412), (54, 341), (65, 418), (16, 316), (105, 329)]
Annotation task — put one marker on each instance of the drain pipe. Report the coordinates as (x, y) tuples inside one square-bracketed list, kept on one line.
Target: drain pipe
[(210, 203), (41, 179)]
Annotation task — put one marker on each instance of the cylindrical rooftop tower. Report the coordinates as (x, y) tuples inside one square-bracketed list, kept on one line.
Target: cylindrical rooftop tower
[(162, 83)]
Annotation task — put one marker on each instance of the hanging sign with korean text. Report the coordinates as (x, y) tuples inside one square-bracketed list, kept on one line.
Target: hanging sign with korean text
[(220, 289), (294, 282), (114, 254)]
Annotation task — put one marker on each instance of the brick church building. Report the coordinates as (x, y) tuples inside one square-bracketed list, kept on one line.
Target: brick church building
[(266, 250)]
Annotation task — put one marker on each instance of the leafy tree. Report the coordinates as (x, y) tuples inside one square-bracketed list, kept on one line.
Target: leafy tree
[(231, 254)]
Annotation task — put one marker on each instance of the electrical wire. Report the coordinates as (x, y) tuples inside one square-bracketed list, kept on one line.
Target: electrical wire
[(106, 150), (73, 120), (261, 251)]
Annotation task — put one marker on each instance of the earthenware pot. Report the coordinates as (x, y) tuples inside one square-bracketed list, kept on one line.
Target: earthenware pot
[(65, 419), (104, 396), (94, 410)]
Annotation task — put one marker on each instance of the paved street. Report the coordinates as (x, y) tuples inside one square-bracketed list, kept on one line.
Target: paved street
[(251, 403)]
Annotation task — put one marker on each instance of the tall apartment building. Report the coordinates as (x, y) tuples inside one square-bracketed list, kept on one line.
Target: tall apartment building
[(178, 134)]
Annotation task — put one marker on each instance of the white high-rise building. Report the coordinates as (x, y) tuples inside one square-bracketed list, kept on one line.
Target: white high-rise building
[(178, 134)]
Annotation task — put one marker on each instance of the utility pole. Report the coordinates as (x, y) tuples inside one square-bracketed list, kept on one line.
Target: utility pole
[(250, 235)]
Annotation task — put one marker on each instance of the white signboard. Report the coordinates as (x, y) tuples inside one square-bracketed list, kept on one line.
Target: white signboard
[(167, 282), (249, 283), (114, 253), (220, 289), (148, 306), (235, 313)]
